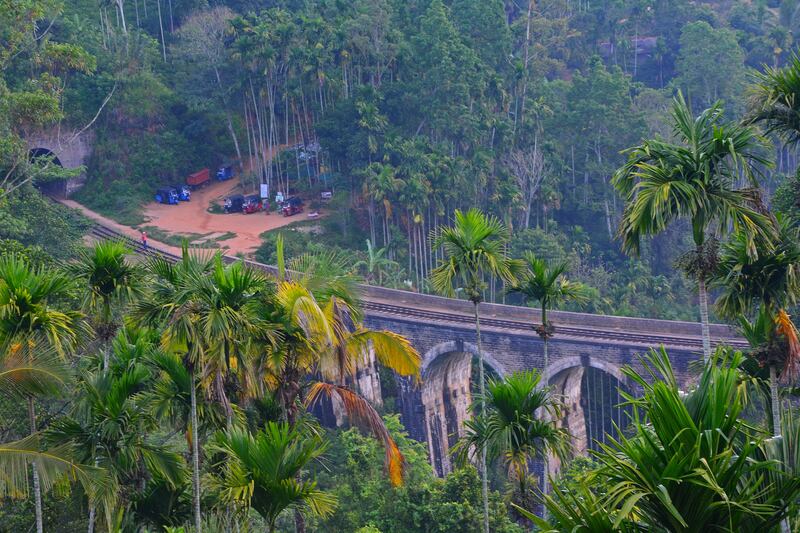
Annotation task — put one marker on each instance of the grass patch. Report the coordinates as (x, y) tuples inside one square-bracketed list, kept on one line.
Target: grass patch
[(177, 239)]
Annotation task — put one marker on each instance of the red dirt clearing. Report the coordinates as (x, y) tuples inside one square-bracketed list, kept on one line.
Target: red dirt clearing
[(193, 218)]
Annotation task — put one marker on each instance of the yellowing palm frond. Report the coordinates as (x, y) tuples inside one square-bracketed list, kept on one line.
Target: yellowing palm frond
[(391, 350), (361, 412), (785, 327)]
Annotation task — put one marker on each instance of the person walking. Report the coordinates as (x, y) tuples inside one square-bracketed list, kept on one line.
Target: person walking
[(144, 240)]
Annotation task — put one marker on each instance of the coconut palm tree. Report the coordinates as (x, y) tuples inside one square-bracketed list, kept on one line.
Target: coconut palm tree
[(695, 178), (261, 471), (474, 248), (774, 100), (519, 426), (547, 285), (318, 316), (111, 281), (109, 427), (770, 280), (27, 313)]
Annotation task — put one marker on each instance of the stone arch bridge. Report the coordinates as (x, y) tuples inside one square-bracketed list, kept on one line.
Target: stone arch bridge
[(586, 357)]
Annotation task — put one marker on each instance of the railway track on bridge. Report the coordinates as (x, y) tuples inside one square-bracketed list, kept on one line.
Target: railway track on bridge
[(385, 309)]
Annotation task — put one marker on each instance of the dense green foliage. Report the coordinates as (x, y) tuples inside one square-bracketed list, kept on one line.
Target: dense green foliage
[(419, 108)]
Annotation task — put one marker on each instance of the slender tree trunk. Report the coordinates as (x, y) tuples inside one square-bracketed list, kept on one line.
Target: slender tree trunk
[(228, 114), (546, 353), (482, 388), (776, 420), (92, 516), (775, 402), (37, 490), (161, 30), (703, 296), (195, 456)]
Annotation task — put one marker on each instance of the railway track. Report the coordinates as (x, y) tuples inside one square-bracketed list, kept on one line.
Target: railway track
[(414, 314)]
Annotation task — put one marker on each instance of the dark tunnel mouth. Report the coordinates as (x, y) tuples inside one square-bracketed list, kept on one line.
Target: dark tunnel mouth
[(35, 156)]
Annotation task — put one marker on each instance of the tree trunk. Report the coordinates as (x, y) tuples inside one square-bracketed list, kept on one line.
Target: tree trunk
[(92, 515), (195, 455), (776, 421), (482, 388), (228, 114), (703, 296), (37, 490), (161, 30), (775, 402)]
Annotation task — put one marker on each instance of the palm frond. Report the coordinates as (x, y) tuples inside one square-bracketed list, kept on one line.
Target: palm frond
[(361, 412)]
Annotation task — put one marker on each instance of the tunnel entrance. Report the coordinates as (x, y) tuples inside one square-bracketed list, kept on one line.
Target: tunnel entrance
[(43, 157)]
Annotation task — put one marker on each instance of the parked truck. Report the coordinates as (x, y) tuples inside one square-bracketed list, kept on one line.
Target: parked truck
[(198, 179)]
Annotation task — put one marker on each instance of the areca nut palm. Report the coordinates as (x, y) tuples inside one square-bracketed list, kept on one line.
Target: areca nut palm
[(695, 177), (689, 462), (226, 308), (548, 286), (171, 306), (770, 280), (28, 367), (109, 426), (261, 471), (26, 310), (110, 282), (520, 424), (693, 462), (474, 248), (774, 100)]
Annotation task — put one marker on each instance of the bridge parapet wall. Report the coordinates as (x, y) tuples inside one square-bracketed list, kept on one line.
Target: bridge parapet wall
[(531, 315)]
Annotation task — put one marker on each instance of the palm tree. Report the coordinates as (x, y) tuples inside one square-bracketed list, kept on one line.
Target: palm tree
[(770, 280), (694, 178), (109, 427), (519, 426), (171, 305), (691, 463), (375, 264), (773, 100), (29, 367), (111, 282), (26, 294), (261, 471), (226, 307), (547, 285), (475, 248)]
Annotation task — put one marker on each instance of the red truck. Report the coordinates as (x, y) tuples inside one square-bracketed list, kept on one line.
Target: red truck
[(198, 179)]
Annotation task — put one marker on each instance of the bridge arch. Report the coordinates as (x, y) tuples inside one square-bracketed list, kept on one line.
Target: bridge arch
[(591, 389), (447, 397), (459, 346)]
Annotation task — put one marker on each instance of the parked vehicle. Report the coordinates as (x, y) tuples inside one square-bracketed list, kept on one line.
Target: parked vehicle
[(198, 179), (292, 206), (184, 192), (224, 173), (167, 195), (252, 204), (234, 204)]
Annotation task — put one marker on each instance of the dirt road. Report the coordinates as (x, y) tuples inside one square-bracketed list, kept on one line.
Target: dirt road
[(192, 217)]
